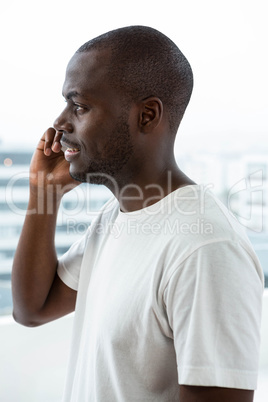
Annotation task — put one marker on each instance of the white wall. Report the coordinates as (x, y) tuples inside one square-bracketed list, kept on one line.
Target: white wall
[(33, 360)]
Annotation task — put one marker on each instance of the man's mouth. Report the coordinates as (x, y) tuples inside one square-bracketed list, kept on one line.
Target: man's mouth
[(68, 146), (70, 150)]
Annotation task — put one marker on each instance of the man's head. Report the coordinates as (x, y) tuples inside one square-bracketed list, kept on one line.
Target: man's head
[(120, 87), (144, 62)]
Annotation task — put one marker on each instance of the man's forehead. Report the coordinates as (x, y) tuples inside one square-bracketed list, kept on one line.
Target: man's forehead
[(88, 61), (86, 71)]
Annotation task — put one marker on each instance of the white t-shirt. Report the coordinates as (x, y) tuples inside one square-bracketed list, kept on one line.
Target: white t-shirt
[(167, 295)]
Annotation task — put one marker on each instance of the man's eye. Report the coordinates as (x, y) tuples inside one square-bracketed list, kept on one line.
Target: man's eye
[(79, 108)]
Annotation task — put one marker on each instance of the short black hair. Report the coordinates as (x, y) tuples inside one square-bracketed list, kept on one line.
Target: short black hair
[(144, 62)]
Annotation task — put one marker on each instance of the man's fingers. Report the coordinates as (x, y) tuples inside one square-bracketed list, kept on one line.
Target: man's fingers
[(56, 146), (52, 141), (48, 137), (40, 145)]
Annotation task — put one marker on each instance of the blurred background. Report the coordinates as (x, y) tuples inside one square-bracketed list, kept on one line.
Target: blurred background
[(222, 141)]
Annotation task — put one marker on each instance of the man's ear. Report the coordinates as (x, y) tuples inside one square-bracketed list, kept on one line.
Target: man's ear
[(151, 113)]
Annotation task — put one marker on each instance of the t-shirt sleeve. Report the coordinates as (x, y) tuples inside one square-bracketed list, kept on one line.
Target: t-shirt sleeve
[(213, 302), (69, 264)]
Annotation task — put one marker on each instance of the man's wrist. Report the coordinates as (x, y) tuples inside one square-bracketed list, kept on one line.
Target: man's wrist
[(43, 202)]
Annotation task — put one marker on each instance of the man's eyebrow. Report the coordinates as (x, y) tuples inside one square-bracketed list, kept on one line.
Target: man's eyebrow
[(71, 94)]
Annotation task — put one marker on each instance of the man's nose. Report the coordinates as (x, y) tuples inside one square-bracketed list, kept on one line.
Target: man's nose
[(63, 124)]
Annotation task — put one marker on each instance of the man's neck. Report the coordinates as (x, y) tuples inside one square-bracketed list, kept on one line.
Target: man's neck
[(142, 193)]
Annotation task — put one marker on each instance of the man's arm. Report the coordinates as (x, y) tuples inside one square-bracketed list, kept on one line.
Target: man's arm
[(39, 296), (214, 394)]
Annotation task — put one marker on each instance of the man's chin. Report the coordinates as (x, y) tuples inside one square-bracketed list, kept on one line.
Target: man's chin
[(78, 176), (94, 178)]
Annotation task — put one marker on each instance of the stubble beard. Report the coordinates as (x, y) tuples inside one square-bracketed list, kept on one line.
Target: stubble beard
[(106, 171)]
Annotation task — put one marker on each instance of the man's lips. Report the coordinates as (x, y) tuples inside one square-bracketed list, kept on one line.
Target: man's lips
[(70, 150), (68, 146)]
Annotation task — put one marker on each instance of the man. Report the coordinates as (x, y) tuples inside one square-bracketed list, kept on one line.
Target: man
[(166, 287)]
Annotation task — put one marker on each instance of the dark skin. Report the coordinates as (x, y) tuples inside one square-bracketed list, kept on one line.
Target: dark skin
[(94, 124)]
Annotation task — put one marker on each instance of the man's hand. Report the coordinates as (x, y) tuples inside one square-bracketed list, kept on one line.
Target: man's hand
[(49, 170)]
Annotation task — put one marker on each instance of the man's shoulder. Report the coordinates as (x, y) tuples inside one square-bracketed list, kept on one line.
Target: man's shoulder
[(197, 212), (108, 212)]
